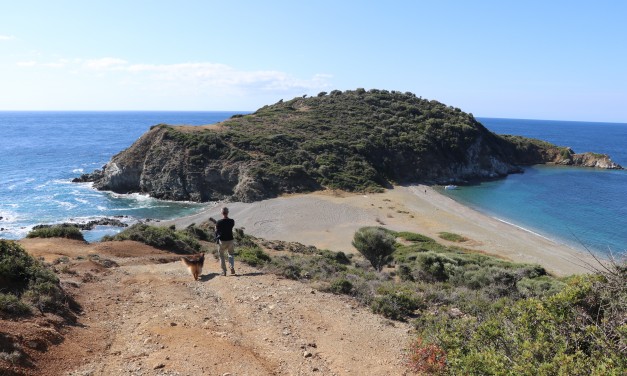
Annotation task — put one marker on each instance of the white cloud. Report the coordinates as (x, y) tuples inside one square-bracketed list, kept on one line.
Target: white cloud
[(104, 63), (6, 37), (191, 84), (26, 63), (206, 74), (225, 77)]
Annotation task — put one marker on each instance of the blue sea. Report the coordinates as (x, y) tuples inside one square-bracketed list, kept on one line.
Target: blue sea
[(42, 151)]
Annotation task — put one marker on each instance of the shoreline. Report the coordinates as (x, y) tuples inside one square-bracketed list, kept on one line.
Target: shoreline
[(328, 219)]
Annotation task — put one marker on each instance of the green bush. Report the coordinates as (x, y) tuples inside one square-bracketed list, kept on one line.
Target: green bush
[(452, 237), (57, 231), (324, 265), (253, 256), (198, 233), (395, 305), (165, 238), (375, 244), (24, 280), (12, 305), (413, 237), (437, 265), (580, 330), (341, 286), (405, 273), (539, 286)]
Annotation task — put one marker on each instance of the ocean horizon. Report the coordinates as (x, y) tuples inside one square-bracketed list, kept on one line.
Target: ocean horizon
[(43, 150)]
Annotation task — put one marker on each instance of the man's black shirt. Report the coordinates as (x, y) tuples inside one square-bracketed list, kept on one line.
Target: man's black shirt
[(224, 229)]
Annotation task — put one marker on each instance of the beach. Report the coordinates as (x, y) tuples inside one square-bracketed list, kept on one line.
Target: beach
[(329, 219)]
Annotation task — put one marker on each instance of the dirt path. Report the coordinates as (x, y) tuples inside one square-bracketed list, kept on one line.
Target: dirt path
[(147, 317)]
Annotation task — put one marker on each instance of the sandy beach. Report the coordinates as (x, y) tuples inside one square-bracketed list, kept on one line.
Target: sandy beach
[(329, 219)]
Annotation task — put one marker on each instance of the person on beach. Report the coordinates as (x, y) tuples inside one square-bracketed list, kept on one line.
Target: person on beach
[(224, 238)]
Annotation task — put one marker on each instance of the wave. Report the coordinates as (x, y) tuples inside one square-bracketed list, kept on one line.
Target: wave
[(524, 229), (78, 170), (7, 217), (14, 183), (65, 204), (15, 233)]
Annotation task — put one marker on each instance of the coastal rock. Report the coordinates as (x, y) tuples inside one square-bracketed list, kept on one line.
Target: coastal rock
[(88, 178), (591, 160), (88, 225), (355, 140)]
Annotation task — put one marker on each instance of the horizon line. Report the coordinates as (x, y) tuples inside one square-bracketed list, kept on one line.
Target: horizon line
[(251, 111)]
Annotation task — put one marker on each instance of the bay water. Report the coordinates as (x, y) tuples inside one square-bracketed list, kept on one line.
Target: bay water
[(580, 207)]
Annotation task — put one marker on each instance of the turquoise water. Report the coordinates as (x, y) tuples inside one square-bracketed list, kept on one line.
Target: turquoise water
[(42, 151), (576, 206)]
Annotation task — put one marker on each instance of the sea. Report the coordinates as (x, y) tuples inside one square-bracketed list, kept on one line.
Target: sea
[(40, 152)]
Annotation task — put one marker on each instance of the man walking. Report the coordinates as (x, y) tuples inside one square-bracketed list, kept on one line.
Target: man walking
[(224, 236)]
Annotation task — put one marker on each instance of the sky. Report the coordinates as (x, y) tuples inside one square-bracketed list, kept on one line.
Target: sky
[(561, 60)]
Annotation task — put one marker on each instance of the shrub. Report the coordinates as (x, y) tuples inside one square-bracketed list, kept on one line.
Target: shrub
[(395, 305), (341, 286), (426, 358), (375, 244), (437, 265), (341, 258), (57, 231), (253, 256), (452, 237), (405, 273), (12, 305), (578, 331), (539, 286), (197, 232), (413, 237), (164, 238), (25, 280)]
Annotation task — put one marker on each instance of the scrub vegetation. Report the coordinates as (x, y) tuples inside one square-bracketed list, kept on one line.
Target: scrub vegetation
[(27, 286), (57, 231), (166, 238), (475, 314)]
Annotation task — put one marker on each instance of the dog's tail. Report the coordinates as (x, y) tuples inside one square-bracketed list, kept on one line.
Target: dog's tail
[(193, 260)]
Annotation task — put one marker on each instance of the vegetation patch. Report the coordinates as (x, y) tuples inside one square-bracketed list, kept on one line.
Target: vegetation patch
[(479, 315), (57, 231), (165, 238), (27, 285), (451, 237), (253, 256), (413, 237)]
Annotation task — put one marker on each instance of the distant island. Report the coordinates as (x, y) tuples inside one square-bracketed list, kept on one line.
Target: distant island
[(355, 140)]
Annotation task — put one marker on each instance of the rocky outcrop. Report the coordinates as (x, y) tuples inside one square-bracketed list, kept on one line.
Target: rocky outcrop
[(87, 225), (589, 160), (355, 140)]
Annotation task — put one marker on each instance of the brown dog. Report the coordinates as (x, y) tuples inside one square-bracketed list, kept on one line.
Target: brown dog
[(194, 264)]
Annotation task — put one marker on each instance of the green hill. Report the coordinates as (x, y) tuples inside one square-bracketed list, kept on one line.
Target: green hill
[(354, 140)]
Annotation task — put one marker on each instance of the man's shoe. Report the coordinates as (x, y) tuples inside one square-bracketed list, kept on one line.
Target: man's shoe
[(224, 273), (232, 271)]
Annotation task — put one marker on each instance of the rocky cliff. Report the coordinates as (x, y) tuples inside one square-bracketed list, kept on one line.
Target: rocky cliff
[(354, 140)]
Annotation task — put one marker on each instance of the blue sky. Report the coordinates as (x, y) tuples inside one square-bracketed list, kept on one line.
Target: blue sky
[(564, 60)]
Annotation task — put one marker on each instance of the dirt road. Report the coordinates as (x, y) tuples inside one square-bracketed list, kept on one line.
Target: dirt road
[(147, 316)]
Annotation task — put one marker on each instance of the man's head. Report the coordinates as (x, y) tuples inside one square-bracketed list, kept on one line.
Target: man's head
[(225, 211)]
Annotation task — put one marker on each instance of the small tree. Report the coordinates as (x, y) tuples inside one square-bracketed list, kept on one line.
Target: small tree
[(375, 244)]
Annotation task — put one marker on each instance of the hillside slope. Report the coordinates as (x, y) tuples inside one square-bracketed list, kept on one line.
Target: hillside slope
[(353, 140), (145, 315)]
